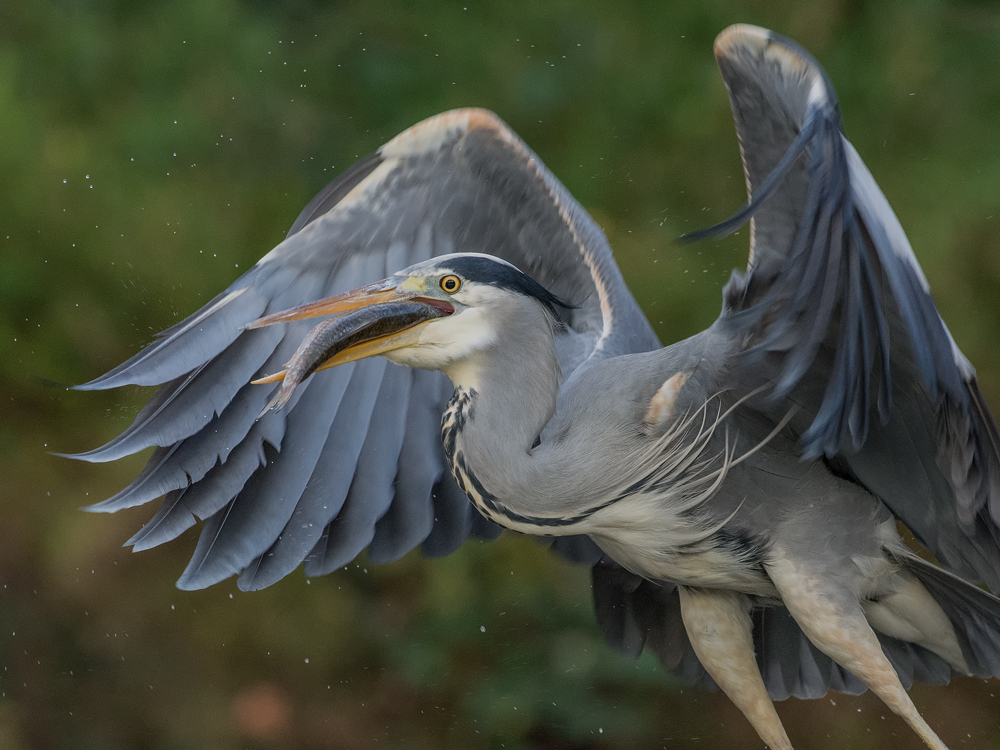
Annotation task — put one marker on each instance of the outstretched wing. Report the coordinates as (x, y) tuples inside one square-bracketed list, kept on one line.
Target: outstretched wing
[(835, 313), (355, 459)]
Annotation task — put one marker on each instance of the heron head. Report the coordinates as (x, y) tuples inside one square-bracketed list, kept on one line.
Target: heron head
[(434, 315)]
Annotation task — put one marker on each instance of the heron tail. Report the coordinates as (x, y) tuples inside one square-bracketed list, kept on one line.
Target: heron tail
[(974, 613)]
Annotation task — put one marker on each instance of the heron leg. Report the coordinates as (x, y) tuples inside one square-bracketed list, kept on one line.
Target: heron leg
[(835, 622), (719, 628)]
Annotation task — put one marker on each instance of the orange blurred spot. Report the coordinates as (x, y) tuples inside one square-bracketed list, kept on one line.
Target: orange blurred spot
[(261, 711)]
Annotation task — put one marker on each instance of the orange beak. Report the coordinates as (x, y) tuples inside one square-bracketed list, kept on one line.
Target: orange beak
[(372, 320), (366, 296)]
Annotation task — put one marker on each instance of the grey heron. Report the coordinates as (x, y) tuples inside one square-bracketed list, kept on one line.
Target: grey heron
[(737, 493)]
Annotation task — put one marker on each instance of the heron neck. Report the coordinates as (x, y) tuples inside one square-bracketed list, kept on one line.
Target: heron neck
[(500, 406), (507, 400)]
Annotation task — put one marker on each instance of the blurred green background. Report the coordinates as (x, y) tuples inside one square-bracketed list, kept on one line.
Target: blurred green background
[(149, 152)]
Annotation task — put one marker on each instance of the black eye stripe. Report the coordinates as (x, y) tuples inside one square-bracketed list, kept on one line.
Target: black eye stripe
[(485, 270)]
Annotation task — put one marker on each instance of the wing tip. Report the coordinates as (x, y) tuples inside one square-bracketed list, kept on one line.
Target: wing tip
[(740, 35), (104, 506), (112, 379), (184, 584), (436, 131), (93, 456), (116, 448), (195, 577), (745, 46)]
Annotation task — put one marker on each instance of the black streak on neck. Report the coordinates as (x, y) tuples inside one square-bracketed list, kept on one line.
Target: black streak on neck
[(461, 409)]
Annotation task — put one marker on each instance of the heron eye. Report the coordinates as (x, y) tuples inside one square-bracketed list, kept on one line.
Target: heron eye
[(451, 284)]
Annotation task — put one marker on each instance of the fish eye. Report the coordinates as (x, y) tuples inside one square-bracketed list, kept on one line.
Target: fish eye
[(451, 284)]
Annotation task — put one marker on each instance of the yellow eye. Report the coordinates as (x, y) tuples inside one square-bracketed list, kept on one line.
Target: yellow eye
[(451, 284)]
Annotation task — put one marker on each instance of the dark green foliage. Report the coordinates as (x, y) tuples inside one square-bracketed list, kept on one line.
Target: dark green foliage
[(150, 152)]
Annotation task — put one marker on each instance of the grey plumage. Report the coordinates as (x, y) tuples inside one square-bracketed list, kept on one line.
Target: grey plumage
[(827, 236), (330, 494), (736, 492), (410, 519), (425, 206)]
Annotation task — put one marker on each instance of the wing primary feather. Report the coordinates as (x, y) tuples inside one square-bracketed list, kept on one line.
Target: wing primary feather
[(988, 452), (370, 493), (220, 484), (170, 501), (859, 362), (829, 205), (190, 344), (210, 534), (263, 507), (452, 518), (189, 460), (802, 355), (917, 310), (203, 395), (421, 465), (825, 433), (822, 205), (829, 268), (323, 497), (876, 301), (235, 431), (164, 394), (134, 494)]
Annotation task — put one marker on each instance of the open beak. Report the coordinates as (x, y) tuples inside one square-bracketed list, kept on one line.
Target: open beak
[(373, 294), (371, 320)]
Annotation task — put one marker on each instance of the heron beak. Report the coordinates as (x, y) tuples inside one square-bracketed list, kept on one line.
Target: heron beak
[(370, 321), (386, 290)]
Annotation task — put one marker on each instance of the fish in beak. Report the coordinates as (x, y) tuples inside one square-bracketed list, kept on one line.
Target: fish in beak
[(369, 321)]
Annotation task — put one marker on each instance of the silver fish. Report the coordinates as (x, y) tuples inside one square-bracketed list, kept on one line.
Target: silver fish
[(334, 335)]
